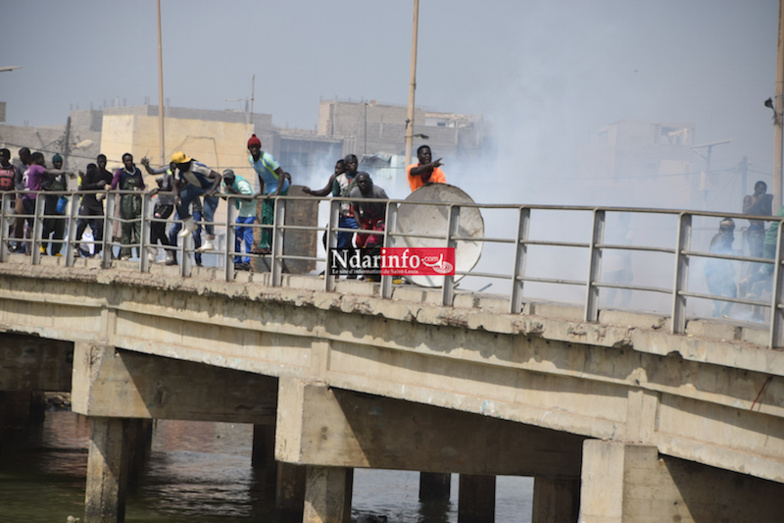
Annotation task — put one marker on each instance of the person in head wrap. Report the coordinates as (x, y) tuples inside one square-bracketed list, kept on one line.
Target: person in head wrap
[(273, 181)]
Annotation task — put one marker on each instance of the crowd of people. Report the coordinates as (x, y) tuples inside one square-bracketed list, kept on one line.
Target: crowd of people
[(186, 197)]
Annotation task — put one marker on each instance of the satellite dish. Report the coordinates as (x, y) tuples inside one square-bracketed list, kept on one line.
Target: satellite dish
[(432, 220)]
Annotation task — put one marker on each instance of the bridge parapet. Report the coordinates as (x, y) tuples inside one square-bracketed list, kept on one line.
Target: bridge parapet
[(602, 258)]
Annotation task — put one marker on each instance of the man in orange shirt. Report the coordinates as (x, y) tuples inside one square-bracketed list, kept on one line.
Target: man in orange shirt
[(427, 171)]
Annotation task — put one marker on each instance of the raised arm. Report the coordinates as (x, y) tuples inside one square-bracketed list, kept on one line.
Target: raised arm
[(321, 192)]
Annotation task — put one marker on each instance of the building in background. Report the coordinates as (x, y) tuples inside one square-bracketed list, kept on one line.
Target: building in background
[(649, 163), (368, 127), (218, 138)]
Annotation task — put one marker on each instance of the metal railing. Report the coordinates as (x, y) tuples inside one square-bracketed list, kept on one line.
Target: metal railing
[(679, 236)]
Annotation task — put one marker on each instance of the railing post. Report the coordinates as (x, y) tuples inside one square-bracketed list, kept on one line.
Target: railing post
[(146, 218), (390, 224), (187, 249), (38, 229), (594, 267), (520, 255), (231, 234), (681, 280), (5, 210), (107, 249), (277, 241), (448, 291), (776, 312), (70, 233), (332, 242)]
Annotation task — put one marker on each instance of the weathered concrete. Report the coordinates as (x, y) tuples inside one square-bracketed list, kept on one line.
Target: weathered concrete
[(328, 495), (636, 483), (290, 491), (106, 472), (263, 456), (476, 500), (118, 383), (434, 486), (555, 500), (323, 426), (34, 364)]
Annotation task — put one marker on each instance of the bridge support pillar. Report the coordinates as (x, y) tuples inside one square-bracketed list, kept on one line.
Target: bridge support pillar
[(434, 486), (138, 440), (635, 483), (328, 494), (556, 500), (263, 456), (15, 408), (106, 471), (476, 499), (290, 491)]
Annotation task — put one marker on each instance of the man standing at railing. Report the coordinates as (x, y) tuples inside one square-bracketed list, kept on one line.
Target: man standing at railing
[(36, 178), (342, 186), (370, 215), (91, 212), (273, 181), (720, 274), (54, 208), (163, 209), (246, 215), (760, 204), (20, 167), (6, 174), (427, 171), (129, 178)]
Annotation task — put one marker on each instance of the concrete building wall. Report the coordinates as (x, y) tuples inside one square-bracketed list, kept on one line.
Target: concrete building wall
[(220, 145), (369, 128)]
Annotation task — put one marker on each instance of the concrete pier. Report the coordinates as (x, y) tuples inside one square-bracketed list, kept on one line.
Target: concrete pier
[(434, 486), (328, 495), (623, 482), (476, 499), (107, 471), (555, 500)]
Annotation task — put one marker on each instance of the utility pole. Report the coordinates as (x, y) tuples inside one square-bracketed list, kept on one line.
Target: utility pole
[(778, 112), (160, 88), (67, 142), (412, 87)]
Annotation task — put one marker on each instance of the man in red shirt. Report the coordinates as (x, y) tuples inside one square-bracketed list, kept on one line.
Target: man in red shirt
[(427, 171)]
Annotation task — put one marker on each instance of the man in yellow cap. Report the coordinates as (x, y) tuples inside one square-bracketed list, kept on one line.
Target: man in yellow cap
[(196, 179)]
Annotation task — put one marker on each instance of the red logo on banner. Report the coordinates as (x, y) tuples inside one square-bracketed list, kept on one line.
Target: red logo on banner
[(418, 261)]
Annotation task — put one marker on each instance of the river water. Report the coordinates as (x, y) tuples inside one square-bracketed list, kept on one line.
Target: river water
[(199, 473)]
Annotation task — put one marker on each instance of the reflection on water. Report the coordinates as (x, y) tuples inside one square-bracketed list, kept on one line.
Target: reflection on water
[(198, 473)]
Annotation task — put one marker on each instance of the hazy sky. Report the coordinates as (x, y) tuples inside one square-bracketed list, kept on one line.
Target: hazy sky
[(546, 73)]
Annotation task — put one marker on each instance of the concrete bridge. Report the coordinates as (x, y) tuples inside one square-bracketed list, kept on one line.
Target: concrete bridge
[(618, 415)]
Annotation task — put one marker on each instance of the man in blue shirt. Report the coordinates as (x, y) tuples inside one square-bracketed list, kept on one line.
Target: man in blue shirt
[(197, 179), (246, 215)]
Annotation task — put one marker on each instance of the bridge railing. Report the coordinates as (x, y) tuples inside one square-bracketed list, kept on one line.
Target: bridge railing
[(530, 248)]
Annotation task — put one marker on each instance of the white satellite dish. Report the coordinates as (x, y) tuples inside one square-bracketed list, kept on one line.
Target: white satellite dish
[(432, 220)]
